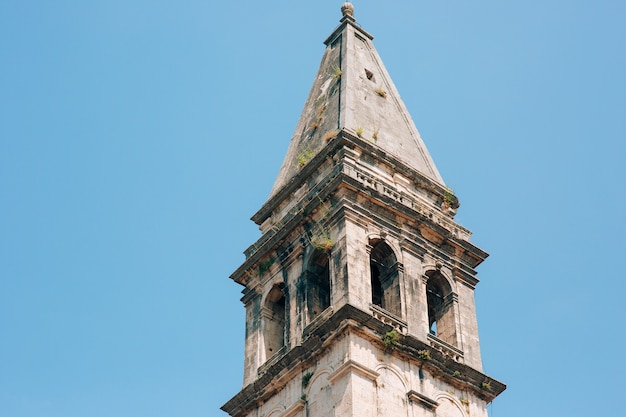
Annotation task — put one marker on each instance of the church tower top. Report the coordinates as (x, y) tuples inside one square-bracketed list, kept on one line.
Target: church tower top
[(354, 95), (359, 294)]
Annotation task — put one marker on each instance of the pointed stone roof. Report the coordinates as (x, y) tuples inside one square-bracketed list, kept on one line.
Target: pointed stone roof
[(353, 92)]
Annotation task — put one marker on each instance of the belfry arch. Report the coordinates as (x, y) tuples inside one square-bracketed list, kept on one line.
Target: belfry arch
[(385, 277), (317, 284), (441, 300)]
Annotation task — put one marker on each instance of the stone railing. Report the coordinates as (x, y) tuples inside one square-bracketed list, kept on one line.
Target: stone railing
[(388, 318), (445, 348)]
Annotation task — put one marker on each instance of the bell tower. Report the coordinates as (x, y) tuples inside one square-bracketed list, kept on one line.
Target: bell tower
[(359, 294)]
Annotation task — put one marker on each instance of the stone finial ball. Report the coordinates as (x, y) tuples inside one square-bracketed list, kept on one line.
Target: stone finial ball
[(347, 9)]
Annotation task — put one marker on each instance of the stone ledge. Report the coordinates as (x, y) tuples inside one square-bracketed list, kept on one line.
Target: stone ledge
[(352, 366), (351, 319), (342, 172), (294, 409), (423, 400)]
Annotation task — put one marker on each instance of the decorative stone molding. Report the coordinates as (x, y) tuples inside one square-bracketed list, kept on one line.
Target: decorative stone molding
[(352, 320), (453, 297), (250, 293), (294, 409), (412, 201), (422, 400), (267, 313), (352, 366), (342, 172)]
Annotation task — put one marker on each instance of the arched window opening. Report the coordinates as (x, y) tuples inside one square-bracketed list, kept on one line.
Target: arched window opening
[(274, 320), (440, 300), (317, 285), (385, 278)]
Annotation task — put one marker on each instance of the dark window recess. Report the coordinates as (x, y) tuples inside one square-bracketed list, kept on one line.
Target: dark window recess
[(385, 278), (317, 285), (275, 320)]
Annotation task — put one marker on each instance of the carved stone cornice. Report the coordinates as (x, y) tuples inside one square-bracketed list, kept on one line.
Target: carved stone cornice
[(422, 400), (250, 293), (350, 319), (382, 191), (294, 409), (352, 367)]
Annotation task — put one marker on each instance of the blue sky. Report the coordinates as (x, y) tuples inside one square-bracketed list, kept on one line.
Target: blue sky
[(138, 137)]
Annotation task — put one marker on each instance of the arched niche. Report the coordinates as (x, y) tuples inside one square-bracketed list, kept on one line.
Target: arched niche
[(274, 320), (391, 391), (319, 395), (449, 407)]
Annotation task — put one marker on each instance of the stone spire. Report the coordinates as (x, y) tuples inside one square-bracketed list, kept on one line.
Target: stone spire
[(353, 93)]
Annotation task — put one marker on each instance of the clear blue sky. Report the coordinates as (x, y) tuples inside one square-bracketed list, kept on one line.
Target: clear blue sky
[(137, 138)]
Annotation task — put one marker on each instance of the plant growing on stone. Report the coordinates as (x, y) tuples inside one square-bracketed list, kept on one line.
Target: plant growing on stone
[(306, 379), (486, 385), (304, 157), (456, 374), (336, 74), (448, 197), (424, 354), (359, 131), (375, 134), (319, 235), (390, 339), (265, 265), (381, 92), (329, 135), (323, 243)]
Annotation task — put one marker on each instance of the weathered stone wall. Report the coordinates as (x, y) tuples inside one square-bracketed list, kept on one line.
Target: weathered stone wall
[(351, 231), (458, 328), (356, 377)]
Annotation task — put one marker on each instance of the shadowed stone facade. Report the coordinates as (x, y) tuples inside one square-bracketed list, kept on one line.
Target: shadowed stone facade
[(359, 295)]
